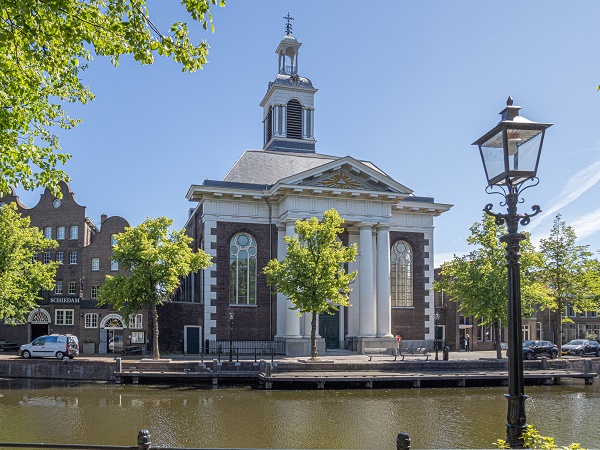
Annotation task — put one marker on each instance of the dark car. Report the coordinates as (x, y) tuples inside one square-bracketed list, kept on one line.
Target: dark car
[(581, 347), (533, 349)]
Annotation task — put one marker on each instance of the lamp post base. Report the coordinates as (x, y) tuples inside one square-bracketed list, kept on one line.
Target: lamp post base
[(516, 420)]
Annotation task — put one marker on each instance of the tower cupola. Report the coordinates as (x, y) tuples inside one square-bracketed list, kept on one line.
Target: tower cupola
[(288, 105)]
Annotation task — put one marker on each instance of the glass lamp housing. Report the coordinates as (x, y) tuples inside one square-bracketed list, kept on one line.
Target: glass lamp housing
[(510, 152)]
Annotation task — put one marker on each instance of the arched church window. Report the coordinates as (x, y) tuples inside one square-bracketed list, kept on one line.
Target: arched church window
[(401, 274), (242, 270), (294, 119)]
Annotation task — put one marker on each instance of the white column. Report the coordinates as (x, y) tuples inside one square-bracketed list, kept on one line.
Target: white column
[(281, 299), (367, 288), (342, 338), (354, 299), (384, 301), (292, 321)]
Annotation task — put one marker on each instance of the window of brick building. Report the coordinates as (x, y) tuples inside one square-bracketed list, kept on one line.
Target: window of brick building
[(91, 320), (74, 232), (95, 264), (135, 321), (114, 265), (94, 292), (73, 258), (60, 257), (48, 232), (72, 287), (242, 270), (401, 274), (58, 288), (63, 316), (60, 232), (47, 257)]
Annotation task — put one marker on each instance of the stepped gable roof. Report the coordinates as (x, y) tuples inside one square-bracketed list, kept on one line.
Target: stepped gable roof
[(268, 167)]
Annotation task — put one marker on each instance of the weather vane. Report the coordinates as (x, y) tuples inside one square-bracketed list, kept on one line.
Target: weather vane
[(288, 25)]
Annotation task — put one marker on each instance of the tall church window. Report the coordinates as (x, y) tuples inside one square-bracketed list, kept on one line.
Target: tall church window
[(401, 274), (242, 270), (294, 119)]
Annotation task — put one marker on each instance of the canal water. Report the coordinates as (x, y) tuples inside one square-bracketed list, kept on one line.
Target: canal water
[(241, 417)]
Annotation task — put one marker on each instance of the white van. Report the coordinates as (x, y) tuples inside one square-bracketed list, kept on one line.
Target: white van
[(59, 345)]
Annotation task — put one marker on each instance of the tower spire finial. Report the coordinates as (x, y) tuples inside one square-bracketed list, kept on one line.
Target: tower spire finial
[(288, 25)]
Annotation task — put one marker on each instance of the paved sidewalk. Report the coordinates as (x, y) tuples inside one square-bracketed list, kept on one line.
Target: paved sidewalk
[(334, 355)]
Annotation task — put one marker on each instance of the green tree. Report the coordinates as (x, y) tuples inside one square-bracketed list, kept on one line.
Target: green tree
[(312, 274), (44, 47), (21, 276), (152, 261), (569, 273), (478, 281)]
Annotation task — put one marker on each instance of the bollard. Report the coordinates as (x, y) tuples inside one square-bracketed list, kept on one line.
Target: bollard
[(403, 441), (268, 370), (143, 440), (118, 360)]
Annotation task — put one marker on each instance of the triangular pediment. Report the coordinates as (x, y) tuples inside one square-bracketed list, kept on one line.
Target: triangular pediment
[(346, 174)]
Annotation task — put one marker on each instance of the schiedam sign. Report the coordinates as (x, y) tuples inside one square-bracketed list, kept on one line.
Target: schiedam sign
[(64, 300)]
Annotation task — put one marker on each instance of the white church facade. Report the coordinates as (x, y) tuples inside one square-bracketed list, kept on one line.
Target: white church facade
[(241, 221)]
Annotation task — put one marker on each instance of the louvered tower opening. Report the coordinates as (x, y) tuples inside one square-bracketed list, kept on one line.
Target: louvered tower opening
[(294, 119), (269, 126)]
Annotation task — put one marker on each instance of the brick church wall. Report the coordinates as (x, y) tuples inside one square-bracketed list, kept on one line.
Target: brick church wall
[(250, 322), (409, 321)]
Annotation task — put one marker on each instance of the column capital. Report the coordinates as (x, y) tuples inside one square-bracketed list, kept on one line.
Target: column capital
[(383, 226), (362, 225)]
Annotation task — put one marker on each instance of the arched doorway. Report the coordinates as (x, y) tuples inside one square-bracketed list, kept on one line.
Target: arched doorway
[(111, 334), (39, 321)]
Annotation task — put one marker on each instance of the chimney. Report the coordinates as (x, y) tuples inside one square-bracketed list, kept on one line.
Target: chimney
[(102, 218)]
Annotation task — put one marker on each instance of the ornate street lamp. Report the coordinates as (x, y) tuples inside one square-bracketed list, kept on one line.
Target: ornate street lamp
[(436, 317), (231, 336), (511, 153)]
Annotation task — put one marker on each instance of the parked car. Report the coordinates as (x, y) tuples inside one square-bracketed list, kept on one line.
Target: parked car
[(533, 349), (581, 347), (55, 345)]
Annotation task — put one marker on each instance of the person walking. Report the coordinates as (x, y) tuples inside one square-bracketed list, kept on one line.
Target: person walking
[(467, 341), (399, 339)]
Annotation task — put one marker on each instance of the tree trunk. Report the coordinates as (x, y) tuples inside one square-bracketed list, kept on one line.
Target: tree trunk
[(313, 336), (496, 327), (155, 351), (558, 325)]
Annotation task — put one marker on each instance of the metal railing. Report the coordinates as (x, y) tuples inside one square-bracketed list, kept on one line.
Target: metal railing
[(244, 348)]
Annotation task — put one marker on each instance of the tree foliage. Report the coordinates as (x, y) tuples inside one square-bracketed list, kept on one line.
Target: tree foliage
[(312, 275), (21, 275), (479, 283), (152, 261), (44, 48), (569, 271)]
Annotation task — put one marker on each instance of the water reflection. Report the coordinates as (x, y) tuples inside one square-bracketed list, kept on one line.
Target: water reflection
[(244, 417)]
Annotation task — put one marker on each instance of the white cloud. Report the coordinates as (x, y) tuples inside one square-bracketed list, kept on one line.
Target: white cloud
[(587, 225), (576, 186)]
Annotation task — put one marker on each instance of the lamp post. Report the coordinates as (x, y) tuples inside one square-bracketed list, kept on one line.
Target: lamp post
[(510, 153), (231, 336), (436, 317)]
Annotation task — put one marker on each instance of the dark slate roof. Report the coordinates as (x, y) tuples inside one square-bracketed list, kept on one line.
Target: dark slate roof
[(268, 167)]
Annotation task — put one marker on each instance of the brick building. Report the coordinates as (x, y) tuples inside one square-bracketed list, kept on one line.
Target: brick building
[(85, 255), (241, 221)]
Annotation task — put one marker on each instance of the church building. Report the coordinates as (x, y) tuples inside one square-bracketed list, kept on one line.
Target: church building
[(241, 221)]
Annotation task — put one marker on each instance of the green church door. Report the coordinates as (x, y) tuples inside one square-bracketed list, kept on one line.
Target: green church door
[(329, 328)]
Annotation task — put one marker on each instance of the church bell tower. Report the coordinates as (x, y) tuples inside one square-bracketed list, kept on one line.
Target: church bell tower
[(288, 105)]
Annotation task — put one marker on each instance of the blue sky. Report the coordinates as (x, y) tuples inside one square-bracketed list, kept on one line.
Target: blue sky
[(407, 85)]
